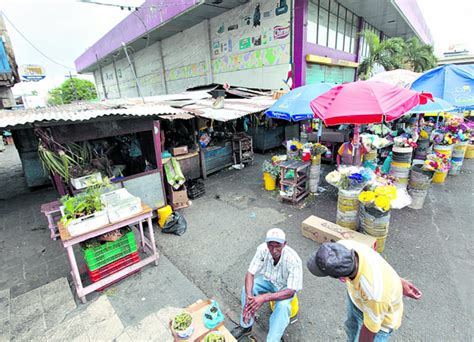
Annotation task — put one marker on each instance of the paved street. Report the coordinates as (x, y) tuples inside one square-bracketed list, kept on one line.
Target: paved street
[(431, 247)]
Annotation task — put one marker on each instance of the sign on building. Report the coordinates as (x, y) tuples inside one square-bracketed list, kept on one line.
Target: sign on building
[(31, 72)]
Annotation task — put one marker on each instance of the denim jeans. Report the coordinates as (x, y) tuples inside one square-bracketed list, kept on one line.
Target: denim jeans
[(354, 322), (280, 317)]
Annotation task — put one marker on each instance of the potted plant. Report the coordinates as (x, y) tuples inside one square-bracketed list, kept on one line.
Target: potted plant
[(214, 336), (182, 325), (86, 211), (270, 174)]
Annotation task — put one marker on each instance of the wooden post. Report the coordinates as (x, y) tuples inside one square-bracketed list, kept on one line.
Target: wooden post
[(159, 161)]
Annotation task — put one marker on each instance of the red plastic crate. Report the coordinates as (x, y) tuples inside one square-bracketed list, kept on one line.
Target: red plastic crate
[(112, 268)]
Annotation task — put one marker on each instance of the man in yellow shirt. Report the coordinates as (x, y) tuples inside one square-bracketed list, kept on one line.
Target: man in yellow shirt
[(375, 291)]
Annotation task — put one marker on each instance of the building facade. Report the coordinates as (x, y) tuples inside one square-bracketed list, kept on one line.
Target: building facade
[(8, 68), (169, 46)]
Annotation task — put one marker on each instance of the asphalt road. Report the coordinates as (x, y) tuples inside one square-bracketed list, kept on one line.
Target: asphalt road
[(432, 247)]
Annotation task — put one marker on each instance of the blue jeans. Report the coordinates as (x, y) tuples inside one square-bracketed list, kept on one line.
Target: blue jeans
[(354, 322), (280, 317)]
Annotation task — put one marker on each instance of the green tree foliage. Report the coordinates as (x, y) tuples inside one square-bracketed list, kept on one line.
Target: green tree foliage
[(380, 52), (396, 53), (418, 56), (73, 89)]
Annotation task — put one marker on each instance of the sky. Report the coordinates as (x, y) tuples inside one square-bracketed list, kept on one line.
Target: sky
[(64, 29)]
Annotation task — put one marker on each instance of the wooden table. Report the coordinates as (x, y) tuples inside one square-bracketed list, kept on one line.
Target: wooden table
[(53, 214), (299, 182), (147, 244)]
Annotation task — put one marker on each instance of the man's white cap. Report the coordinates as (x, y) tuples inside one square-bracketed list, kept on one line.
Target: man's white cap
[(276, 234)]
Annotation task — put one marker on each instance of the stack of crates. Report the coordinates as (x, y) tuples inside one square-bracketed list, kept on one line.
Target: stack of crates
[(108, 258)]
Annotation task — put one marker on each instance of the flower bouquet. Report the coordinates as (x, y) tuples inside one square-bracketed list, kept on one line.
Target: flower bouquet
[(380, 198), (318, 149), (293, 149), (271, 168), (349, 178), (373, 141), (436, 162), (444, 137), (458, 128), (404, 142)]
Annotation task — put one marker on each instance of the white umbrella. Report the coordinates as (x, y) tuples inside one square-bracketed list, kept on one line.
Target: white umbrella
[(399, 77)]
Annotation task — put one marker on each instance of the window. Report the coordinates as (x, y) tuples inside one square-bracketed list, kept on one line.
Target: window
[(332, 31), (312, 28), (323, 27), (341, 26)]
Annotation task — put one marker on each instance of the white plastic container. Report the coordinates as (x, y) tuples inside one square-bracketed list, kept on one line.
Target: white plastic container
[(120, 204), (84, 182), (87, 223)]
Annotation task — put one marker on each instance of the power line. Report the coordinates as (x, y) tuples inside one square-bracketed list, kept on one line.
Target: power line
[(32, 45)]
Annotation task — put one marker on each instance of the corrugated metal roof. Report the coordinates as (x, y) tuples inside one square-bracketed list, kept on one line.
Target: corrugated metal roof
[(87, 111), (233, 108)]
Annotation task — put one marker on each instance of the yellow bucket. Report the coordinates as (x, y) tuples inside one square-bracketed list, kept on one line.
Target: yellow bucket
[(439, 177), (397, 164), (269, 181), (295, 306), (316, 160), (163, 214), (469, 152)]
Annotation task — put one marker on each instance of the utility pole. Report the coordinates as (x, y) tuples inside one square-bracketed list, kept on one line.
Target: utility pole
[(74, 89)]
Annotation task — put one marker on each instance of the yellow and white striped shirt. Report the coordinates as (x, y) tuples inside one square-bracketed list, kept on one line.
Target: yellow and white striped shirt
[(376, 290)]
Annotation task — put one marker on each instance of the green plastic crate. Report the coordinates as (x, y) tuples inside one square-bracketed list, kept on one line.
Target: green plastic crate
[(104, 254)]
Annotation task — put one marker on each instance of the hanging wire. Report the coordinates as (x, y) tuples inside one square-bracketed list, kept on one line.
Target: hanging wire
[(32, 45)]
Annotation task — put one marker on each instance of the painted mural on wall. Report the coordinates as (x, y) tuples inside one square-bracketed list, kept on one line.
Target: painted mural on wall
[(253, 35), (187, 71)]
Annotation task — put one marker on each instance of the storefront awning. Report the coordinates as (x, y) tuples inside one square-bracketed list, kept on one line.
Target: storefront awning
[(233, 108)]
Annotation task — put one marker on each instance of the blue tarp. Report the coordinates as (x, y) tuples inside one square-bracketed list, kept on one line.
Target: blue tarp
[(294, 106), (452, 83), (4, 65)]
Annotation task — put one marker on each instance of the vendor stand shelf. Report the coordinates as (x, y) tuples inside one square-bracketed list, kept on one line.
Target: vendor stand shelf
[(298, 183), (242, 146), (147, 244)]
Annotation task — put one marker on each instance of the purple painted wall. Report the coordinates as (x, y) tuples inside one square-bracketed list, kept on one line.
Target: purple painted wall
[(319, 50), (132, 27), (299, 42), (412, 13)]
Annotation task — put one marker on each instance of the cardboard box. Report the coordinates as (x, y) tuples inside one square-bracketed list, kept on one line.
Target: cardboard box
[(178, 196), (200, 331), (177, 151), (321, 231)]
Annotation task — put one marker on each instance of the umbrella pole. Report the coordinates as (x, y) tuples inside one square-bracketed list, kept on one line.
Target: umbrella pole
[(320, 129), (356, 146)]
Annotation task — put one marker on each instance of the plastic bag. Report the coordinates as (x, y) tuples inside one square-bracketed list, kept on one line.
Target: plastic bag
[(175, 224)]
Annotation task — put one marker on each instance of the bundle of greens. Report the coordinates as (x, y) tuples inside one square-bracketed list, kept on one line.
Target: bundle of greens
[(214, 336), (182, 321)]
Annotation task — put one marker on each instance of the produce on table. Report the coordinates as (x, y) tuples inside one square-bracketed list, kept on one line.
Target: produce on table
[(214, 337), (182, 321)]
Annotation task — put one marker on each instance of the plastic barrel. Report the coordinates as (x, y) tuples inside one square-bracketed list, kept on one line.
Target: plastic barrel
[(439, 177), (469, 152), (457, 158), (314, 177), (422, 148), (401, 163), (375, 223), (348, 209)]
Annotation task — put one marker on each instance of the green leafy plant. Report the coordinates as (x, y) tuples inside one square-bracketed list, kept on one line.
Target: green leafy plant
[(182, 321), (271, 169), (214, 336), (85, 203)]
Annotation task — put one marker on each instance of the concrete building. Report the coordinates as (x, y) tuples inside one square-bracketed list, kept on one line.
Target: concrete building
[(8, 68), (173, 45), (457, 54)]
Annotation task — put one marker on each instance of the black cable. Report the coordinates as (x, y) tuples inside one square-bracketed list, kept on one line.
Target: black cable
[(34, 47)]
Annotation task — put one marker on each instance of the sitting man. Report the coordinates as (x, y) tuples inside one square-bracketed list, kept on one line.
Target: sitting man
[(275, 274)]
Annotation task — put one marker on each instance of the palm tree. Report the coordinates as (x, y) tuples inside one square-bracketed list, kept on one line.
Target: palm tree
[(419, 57), (386, 53)]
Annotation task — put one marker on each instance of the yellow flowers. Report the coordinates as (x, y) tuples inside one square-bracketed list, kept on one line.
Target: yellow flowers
[(424, 134), (382, 202), (367, 197), (380, 198)]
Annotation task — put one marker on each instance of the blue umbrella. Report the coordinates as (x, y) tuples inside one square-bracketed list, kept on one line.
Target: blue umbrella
[(437, 106), (452, 83), (295, 105)]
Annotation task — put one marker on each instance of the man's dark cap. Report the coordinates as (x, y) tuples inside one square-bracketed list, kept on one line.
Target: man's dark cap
[(332, 259)]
